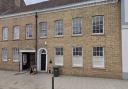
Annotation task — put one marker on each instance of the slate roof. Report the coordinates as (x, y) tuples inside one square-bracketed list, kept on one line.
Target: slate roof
[(7, 6), (44, 5)]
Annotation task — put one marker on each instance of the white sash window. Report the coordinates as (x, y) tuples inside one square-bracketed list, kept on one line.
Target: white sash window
[(15, 54), (28, 31), (42, 29), (16, 32), (4, 54), (77, 26), (59, 28), (77, 57), (98, 57), (59, 56), (98, 24), (5, 33)]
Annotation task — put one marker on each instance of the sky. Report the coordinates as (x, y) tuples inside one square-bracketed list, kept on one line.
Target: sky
[(33, 1)]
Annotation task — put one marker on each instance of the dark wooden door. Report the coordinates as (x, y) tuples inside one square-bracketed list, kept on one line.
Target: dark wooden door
[(43, 62)]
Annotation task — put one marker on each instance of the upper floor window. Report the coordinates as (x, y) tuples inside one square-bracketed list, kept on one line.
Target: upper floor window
[(59, 56), (98, 24), (15, 54), (4, 54), (43, 29), (77, 57), (77, 26), (98, 57), (59, 28), (16, 30), (5, 33), (28, 31)]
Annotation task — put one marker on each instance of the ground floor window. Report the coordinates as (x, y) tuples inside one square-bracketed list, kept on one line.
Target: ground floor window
[(4, 54), (16, 54), (59, 56), (77, 57), (98, 57)]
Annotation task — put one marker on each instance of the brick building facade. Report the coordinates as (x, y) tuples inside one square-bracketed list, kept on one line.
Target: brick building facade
[(82, 37)]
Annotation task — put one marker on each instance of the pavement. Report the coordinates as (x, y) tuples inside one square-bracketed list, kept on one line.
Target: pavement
[(13, 80)]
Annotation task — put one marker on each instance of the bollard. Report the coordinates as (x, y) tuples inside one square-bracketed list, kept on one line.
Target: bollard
[(53, 82)]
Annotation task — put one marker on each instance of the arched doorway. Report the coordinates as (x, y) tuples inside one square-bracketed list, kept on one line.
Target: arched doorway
[(42, 60)]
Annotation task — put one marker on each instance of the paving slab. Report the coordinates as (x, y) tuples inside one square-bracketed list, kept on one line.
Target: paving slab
[(14, 80)]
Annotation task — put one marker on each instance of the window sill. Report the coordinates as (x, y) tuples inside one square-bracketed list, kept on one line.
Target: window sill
[(77, 66), (16, 61), (4, 40), (43, 37), (101, 34), (99, 68), (4, 61), (16, 40), (29, 39), (77, 35), (58, 36), (60, 65)]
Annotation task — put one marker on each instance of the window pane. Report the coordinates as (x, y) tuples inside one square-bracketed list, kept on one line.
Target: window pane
[(98, 51), (77, 25), (5, 33), (4, 54), (29, 30), (59, 51), (77, 51), (43, 29), (98, 57), (16, 32), (59, 27), (98, 24), (16, 54)]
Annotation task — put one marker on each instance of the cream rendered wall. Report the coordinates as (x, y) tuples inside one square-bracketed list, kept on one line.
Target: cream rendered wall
[(124, 19)]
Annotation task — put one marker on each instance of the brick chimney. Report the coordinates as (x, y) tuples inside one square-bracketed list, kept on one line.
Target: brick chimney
[(10, 4), (19, 3)]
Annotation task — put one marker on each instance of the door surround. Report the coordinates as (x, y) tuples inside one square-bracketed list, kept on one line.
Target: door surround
[(20, 56), (39, 59)]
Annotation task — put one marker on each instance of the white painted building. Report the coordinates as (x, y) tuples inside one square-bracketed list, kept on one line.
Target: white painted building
[(124, 22)]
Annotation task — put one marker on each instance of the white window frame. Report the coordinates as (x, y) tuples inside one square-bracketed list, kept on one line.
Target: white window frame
[(29, 30), (4, 54), (59, 28), (60, 57), (15, 54), (16, 32), (98, 33), (5, 33), (43, 27), (77, 58), (98, 59), (80, 21)]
